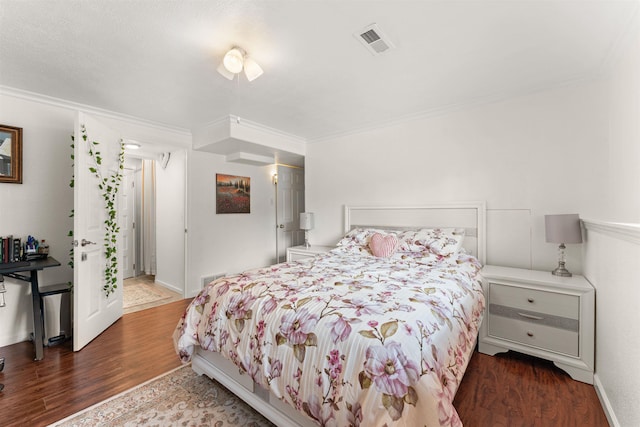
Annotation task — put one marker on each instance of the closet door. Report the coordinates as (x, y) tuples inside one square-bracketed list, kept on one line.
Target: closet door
[(290, 202)]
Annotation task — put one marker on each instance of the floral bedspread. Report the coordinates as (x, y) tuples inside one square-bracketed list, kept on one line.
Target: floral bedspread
[(348, 338)]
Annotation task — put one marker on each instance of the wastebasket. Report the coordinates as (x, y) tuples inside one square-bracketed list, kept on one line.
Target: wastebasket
[(56, 310)]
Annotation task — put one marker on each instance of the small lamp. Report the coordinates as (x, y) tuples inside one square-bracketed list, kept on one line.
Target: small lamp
[(562, 229), (306, 224)]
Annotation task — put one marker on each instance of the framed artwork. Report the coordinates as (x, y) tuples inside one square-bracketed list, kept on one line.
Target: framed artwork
[(233, 194), (10, 154)]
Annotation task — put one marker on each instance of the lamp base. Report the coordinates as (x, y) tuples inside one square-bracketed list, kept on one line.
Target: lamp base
[(561, 271)]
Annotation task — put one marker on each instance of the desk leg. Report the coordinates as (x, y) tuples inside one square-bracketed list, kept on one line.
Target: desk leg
[(38, 321)]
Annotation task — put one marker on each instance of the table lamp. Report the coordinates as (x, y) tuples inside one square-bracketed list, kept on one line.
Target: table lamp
[(562, 229), (306, 224)]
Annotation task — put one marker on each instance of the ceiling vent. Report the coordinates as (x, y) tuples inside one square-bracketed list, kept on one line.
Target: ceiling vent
[(374, 39)]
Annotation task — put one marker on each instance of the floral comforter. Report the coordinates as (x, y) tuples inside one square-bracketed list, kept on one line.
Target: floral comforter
[(348, 338)]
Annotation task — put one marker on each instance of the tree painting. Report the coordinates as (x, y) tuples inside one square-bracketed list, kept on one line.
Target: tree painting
[(233, 194)]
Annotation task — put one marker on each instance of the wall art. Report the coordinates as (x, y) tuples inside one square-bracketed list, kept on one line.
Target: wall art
[(233, 194)]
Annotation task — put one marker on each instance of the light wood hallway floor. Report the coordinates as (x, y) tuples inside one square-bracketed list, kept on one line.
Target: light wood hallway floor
[(148, 280), (507, 390)]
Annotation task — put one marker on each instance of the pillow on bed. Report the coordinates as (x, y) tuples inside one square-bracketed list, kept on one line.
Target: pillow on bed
[(359, 237), (440, 241), (383, 246)]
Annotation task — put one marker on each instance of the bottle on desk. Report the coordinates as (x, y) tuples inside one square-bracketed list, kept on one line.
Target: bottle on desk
[(43, 247)]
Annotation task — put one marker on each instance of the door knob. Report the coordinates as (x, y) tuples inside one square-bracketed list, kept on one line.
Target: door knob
[(85, 242), (281, 226)]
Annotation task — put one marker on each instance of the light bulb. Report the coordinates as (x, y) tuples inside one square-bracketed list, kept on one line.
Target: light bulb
[(233, 60)]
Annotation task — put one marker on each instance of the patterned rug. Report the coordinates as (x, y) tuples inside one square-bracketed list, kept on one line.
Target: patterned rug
[(140, 293), (177, 398)]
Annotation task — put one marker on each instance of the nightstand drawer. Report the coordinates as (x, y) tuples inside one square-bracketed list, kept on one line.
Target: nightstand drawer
[(540, 336), (533, 300), (297, 256), (297, 253)]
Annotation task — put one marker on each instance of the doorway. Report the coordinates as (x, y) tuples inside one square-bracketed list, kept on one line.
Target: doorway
[(153, 234), (290, 189)]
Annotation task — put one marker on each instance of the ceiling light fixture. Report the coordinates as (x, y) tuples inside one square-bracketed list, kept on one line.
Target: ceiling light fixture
[(234, 61), (132, 145)]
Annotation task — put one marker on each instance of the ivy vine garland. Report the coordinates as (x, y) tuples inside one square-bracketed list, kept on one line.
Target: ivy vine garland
[(109, 186)]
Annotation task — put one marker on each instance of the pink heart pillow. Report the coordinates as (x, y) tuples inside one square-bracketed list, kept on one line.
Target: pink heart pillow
[(383, 246)]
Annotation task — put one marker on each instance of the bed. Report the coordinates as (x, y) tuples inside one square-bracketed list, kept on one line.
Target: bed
[(376, 332)]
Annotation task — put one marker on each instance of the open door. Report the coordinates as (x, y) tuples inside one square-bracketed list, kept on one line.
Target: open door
[(94, 311)]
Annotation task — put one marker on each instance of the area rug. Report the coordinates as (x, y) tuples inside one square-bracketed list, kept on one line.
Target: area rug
[(177, 398), (140, 293)]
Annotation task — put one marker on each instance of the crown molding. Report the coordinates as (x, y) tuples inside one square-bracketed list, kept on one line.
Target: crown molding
[(234, 120), (100, 112), (461, 106)]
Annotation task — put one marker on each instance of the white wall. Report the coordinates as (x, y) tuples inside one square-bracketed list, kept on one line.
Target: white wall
[(227, 243), (611, 257), (612, 252), (623, 183), (40, 206), (170, 221), (526, 157)]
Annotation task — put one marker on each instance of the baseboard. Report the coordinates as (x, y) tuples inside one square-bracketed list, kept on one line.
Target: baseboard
[(14, 339), (604, 401), (169, 286)]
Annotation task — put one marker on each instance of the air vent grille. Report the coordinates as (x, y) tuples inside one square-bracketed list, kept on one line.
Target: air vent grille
[(373, 39), (370, 36)]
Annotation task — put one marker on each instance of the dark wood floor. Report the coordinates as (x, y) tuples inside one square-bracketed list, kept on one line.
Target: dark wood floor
[(505, 390), (515, 390), (135, 349)]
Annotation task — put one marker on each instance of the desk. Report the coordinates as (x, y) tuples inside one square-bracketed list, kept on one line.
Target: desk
[(33, 267)]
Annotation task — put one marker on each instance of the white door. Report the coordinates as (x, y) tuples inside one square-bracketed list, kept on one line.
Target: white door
[(93, 310), (127, 223), (290, 202)]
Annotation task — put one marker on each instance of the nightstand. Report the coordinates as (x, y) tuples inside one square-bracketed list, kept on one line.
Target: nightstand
[(543, 315), (296, 253)]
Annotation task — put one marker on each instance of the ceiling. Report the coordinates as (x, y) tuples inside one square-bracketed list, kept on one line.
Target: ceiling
[(157, 59)]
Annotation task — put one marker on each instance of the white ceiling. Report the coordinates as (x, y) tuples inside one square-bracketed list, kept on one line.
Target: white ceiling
[(157, 59)]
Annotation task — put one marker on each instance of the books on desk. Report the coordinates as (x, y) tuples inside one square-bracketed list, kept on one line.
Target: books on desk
[(13, 255), (10, 250)]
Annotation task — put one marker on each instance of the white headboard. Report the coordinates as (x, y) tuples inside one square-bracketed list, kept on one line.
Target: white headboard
[(468, 215)]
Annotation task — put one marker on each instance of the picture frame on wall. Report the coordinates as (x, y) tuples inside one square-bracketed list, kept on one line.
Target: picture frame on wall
[(233, 194), (10, 154)]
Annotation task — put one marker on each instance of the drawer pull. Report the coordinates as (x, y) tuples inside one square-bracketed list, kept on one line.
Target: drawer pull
[(530, 334), (531, 300), (530, 316)]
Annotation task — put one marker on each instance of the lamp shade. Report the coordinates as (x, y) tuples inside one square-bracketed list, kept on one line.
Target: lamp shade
[(563, 228), (251, 69), (306, 220)]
